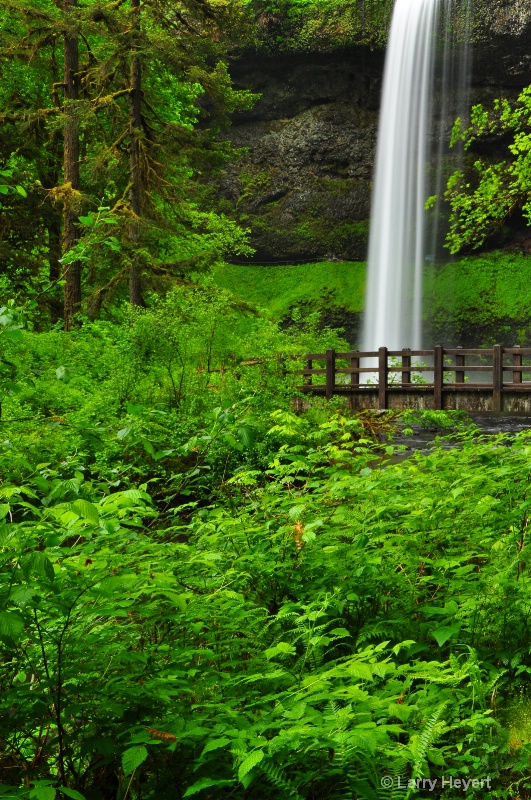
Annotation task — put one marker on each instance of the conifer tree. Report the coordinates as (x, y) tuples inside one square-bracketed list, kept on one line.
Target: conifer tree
[(71, 179), (116, 125)]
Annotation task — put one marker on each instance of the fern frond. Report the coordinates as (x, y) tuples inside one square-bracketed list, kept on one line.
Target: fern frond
[(424, 740), (397, 770), (277, 777), (383, 629)]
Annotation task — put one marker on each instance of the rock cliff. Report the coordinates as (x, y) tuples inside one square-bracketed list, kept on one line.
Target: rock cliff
[(303, 183), (303, 186)]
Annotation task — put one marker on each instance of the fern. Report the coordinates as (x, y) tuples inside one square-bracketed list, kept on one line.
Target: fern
[(423, 742), (382, 629), (278, 778), (399, 790)]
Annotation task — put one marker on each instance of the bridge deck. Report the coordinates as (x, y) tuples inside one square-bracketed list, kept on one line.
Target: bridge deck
[(442, 378)]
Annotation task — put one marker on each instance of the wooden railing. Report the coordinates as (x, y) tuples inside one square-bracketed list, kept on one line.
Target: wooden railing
[(439, 378)]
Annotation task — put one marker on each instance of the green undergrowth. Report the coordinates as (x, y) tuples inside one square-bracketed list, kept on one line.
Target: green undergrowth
[(281, 287), (325, 625), (205, 594), (491, 292)]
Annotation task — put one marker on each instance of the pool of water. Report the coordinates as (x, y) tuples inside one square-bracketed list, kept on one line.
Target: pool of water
[(422, 437)]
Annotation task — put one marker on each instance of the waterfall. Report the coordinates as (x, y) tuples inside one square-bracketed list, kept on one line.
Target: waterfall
[(424, 90)]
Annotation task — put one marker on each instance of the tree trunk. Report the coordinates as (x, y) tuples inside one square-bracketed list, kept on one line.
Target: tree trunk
[(54, 255), (72, 290), (135, 180)]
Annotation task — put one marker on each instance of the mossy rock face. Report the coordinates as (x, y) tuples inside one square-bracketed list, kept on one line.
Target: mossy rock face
[(303, 184), (327, 294), (326, 313)]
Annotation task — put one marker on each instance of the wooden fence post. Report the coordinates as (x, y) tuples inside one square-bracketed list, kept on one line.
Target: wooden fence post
[(406, 366), (497, 378), (309, 378), (459, 362), (382, 378), (354, 364), (437, 376), (354, 378), (517, 362), (330, 373)]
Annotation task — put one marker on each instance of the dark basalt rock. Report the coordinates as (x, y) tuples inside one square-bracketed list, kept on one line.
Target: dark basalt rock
[(303, 185), (502, 52)]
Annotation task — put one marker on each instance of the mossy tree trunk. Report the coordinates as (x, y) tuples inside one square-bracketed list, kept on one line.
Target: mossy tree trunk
[(135, 137), (72, 289)]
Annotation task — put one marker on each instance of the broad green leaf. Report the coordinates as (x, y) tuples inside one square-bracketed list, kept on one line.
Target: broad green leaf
[(214, 744), (43, 793), (23, 596), (62, 374), (37, 563), (134, 409), (441, 635), (360, 670), (88, 220), (71, 793), (21, 190), (246, 436), (4, 189), (132, 758), (283, 648), (400, 711), (11, 625), (148, 447), (204, 783), (87, 510), (249, 763)]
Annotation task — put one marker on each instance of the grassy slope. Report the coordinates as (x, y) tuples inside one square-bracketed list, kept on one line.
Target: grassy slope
[(280, 288), (481, 288), (493, 285)]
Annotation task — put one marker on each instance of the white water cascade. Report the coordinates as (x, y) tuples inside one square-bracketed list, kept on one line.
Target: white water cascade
[(424, 89)]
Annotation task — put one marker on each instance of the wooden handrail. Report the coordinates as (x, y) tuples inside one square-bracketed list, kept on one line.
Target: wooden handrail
[(393, 371)]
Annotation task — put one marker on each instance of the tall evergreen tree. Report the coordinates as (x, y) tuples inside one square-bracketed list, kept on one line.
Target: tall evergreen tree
[(71, 177), (126, 111)]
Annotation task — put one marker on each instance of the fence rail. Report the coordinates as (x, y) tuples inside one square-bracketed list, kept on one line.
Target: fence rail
[(441, 378)]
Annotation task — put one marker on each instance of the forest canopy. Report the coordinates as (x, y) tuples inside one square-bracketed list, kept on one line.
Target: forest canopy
[(104, 145)]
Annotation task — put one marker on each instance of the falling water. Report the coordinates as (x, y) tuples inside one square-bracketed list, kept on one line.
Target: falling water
[(426, 71)]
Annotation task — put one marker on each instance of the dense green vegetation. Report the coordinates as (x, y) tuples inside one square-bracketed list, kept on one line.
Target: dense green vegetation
[(292, 25), (281, 288), (492, 190), (101, 151), (203, 593), (206, 594), (485, 298)]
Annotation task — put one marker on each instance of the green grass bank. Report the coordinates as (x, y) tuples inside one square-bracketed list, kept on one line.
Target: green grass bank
[(476, 300)]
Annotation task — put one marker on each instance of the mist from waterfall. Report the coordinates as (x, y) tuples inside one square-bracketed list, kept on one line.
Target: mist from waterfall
[(425, 89)]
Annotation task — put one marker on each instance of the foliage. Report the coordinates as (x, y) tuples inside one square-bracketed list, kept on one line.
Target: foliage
[(281, 287), (185, 81), (319, 24), (322, 624), (493, 189)]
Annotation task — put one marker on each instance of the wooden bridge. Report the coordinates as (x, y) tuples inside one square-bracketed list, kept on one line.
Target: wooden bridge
[(442, 378)]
